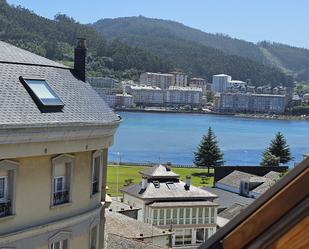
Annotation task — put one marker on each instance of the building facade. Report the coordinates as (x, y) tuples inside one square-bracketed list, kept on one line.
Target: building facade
[(179, 96), (199, 83), (180, 79), (160, 80), (54, 136), (252, 103), (146, 95), (220, 83), (168, 203)]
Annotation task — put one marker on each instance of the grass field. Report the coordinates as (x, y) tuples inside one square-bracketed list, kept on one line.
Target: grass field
[(130, 174)]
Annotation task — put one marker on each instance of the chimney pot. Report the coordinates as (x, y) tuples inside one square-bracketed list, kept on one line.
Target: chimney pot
[(188, 183)]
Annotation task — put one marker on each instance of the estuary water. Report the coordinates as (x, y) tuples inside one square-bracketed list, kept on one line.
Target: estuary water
[(161, 137)]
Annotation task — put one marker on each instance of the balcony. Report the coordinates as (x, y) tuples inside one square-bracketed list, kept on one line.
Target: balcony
[(5, 208), (61, 197)]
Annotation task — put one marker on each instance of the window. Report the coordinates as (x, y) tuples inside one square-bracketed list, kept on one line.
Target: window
[(3, 188), (181, 215), (187, 236), (178, 237), (212, 215), (188, 218), (175, 221), (42, 94), (96, 172), (155, 216), (8, 170), (168, 216), (200, 215), (200, 235), (161, 212), (63, 244), (194, 211), (59, 183), (62, 171), (206, 215)]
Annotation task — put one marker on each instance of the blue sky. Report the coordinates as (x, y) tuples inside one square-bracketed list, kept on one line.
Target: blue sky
[(283, 21)]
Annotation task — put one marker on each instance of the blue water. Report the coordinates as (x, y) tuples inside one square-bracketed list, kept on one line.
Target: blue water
[(156, 137)]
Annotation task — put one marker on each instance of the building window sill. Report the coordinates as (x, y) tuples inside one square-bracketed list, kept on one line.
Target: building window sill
[(8, 217), (67, 204)]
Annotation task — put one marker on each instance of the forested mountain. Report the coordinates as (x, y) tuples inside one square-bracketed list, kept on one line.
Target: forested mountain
[(55, 39), (144, 49), (141, 31)]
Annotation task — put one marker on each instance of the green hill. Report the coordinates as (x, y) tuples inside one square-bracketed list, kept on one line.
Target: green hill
[(55, 39), (141, 31)]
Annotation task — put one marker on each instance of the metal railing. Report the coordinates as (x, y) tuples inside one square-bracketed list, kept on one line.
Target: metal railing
[(61, 197), (5, 208)]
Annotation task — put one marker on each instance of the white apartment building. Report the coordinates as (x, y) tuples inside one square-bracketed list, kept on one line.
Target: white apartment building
[(146, 95), (247, 102), (220, 82), (180, 79), (160, 80), (102, 82), (184, 96), (168, 203)]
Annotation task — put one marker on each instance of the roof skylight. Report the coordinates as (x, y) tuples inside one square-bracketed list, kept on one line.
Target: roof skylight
[(43, 95)]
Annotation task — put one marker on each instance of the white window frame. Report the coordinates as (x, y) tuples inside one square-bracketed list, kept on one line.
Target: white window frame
[(11, 167), (60, 237), (5, 189), (56, 183), (96, 154), (62, 159)]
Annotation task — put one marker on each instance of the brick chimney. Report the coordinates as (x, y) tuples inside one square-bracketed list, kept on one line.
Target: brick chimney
[(80, 59)]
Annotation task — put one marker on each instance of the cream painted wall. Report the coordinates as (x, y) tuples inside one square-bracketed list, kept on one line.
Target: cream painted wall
[(33, 192)]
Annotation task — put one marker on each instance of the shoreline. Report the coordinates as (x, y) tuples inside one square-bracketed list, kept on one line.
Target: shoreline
[(237, 115)]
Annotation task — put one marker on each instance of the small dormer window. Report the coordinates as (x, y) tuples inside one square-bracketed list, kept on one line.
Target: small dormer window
[(43, 95)]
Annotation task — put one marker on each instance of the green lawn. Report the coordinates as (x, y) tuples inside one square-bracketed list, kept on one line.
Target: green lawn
[(131, 174)]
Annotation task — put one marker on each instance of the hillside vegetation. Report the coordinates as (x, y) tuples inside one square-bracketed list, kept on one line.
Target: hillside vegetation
[(55, 39), (141, 31)]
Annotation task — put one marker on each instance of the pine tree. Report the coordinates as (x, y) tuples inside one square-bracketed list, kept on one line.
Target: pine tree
[(208, 152), (269, 159), (279, 148)]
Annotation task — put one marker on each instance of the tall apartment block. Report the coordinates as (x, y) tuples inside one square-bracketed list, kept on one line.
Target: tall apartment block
[(160, 80)]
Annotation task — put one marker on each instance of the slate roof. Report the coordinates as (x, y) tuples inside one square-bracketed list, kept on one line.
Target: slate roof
[(164, 192), (127, 227), (12, 54), (230, 212), (270, 179), (82, 105), (117, 205), (227, 199), (233, 179), (118, 242), (158, 171)]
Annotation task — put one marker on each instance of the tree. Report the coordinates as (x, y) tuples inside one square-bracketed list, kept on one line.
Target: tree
[(279, 148), (208, 152), (269, 159)]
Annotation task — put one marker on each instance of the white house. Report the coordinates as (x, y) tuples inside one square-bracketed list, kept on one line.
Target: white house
[(167, 202)]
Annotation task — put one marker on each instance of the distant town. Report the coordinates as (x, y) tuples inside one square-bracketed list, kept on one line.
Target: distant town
[(176, 92)]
